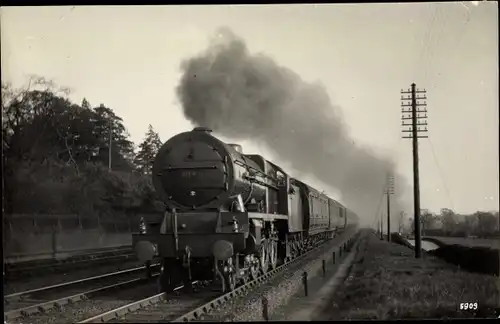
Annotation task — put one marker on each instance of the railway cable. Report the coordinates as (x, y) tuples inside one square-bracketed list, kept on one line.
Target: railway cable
[(463, 31), (456, 43), (441, 174), (425, 41), (443, 17), (436, 41), (426, 38), (428, 35), (440, 31)]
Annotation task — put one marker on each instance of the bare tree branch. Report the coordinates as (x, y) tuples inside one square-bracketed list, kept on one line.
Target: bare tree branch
[(71, 160)]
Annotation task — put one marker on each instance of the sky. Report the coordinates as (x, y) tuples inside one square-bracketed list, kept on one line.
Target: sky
[(129, 57)]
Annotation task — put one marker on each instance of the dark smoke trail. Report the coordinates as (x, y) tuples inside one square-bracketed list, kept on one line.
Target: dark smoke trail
[(245, 96)]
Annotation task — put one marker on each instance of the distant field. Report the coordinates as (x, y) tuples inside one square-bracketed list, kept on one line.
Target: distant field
[(387, 282), (426, 245), (492, 243)]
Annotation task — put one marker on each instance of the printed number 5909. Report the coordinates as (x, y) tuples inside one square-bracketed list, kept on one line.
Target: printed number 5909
[(466, 306)]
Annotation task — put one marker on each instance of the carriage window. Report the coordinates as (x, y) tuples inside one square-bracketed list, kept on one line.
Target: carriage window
[(281, 178)]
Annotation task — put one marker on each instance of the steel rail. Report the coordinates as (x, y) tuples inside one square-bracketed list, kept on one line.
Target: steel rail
[(44, 306), (219, 301), (123, 310), (71, 283), (14, 260), (216, 303)]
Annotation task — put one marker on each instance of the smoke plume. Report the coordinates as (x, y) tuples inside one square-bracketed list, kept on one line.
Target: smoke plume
[(249, 96)]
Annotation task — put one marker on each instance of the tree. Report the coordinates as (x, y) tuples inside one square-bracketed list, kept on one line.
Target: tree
[(30, 128), (449, 220), (28, 123), (85, 104), (122, 149), (147, 151), (496, 215), (486, 222), (53, 159), (469, 224), (411, 225), (427, 219), (38, 123)]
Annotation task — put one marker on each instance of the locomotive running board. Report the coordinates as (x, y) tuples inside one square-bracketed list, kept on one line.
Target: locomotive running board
[(266, 217)]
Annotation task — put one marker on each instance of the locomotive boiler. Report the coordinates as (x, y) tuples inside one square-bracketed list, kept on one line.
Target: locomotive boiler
[(229, 216)]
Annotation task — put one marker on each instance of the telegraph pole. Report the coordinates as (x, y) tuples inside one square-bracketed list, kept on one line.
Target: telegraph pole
[(401, 216), (389, 192), (110, 139), (414, 130), (381, 226)]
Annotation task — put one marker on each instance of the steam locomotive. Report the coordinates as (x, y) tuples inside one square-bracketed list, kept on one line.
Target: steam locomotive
[(229, 216)]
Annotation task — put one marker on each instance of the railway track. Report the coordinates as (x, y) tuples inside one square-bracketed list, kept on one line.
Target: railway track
[(42, 300), (19, 270), (150, 308), (32, 282), (195, 306)]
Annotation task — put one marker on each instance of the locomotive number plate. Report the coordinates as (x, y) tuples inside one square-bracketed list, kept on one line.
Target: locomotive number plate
[(189, 174)]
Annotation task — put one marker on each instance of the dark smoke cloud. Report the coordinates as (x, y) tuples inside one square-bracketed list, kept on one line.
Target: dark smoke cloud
[(249, 96)]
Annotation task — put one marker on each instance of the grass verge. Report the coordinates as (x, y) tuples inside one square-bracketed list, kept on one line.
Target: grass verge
[(387, 282)]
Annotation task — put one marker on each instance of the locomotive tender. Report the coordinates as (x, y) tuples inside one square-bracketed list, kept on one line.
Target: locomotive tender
[(230, 216)]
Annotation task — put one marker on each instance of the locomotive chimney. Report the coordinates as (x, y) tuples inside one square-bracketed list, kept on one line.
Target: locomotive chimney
[(202, 129), (237, 148)]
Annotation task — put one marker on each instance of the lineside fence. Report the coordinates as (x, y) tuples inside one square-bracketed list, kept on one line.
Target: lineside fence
[(30, 237)]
